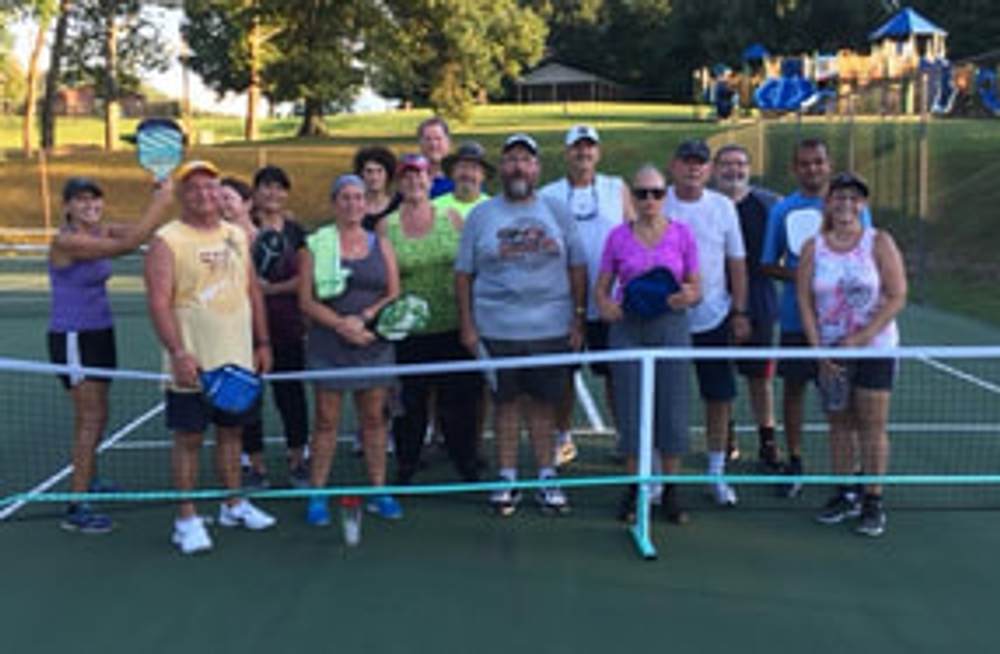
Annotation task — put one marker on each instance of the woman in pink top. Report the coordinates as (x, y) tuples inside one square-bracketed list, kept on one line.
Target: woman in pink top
[(851, 284), (633, 250)]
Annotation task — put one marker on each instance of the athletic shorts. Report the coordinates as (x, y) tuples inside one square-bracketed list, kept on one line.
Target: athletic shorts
[(547, 384), (189, 412), (796, 370), (761, 335), (873, 374), (716, 381), (91, 349)]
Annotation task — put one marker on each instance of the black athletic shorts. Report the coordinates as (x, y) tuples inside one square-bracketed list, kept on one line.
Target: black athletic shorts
[(91, 349)]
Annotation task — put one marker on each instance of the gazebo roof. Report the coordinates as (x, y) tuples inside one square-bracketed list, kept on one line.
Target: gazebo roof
[(556, 73), (904, 24)]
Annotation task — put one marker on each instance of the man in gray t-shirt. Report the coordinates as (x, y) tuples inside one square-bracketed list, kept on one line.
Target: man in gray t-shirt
[(521, 281)]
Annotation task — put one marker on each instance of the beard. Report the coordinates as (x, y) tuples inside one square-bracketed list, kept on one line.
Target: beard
[(517, 188)]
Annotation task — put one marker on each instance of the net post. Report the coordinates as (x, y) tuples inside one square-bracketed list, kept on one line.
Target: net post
[(647, 390)]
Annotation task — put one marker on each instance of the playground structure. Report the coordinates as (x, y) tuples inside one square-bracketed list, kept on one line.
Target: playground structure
[(906, 72)]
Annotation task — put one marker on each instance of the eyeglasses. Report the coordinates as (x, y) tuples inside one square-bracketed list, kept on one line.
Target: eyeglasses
[(646, 193)]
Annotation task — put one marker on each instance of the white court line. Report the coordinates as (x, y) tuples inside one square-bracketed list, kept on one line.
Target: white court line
[(65, 472), (964, 376)]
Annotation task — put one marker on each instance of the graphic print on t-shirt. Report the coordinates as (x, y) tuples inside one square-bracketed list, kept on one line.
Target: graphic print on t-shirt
[(527, 240), (800, 226)]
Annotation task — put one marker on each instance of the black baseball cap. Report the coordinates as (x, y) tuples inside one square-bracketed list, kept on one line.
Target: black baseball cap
[(468, 151), (693, 149), (848, 180), (77, 185)]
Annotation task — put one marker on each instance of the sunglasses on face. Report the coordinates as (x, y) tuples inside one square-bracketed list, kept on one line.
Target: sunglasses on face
[(646, 193)]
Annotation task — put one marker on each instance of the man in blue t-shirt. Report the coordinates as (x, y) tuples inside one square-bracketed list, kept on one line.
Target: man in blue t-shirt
[(791, 223)]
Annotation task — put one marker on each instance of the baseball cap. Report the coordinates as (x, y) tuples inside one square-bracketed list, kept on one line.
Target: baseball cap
[(521, 139), (468, 151), (693, 149), (412, 161), (579, 132), (76, 185), (196, 166), (849, 180)]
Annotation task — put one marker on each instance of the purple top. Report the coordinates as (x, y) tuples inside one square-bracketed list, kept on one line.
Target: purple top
[(79, 296), (626, 258)]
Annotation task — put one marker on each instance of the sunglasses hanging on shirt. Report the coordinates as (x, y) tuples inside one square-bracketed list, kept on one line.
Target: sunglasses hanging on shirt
[(583, 202)]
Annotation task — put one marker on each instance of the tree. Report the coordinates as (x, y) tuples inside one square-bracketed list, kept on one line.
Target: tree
[(231, 44), (52, 76), (448, 52), (42, 12), (310, 52)]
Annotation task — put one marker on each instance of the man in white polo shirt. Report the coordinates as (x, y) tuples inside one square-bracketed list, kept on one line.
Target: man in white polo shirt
[(598, 203), (721, 316)]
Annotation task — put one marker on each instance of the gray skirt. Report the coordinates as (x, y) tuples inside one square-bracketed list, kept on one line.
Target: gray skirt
[(671, 402), (326, 350)]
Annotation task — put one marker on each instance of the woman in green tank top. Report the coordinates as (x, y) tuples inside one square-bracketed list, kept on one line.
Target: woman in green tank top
[(426, 239)]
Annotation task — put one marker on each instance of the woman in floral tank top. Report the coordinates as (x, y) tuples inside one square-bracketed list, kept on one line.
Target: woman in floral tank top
[(851, 285)]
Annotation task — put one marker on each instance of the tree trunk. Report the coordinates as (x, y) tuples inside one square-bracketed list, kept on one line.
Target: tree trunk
[(111, 106), (52, 78), (250, 131), (31, 93), (312, 120)]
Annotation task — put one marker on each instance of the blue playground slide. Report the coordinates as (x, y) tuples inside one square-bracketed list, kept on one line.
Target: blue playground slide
[(942, 88), (986, 86), (786, 93)]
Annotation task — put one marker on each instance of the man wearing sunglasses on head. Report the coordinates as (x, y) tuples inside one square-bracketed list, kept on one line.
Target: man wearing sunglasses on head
[(598, 203), (720, 319)]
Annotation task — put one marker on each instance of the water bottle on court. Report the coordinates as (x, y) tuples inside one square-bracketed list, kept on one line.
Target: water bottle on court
[(350, 519)]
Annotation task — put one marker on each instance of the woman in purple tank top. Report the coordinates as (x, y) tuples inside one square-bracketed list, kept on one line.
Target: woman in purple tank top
[(80, 328), (851, 285)]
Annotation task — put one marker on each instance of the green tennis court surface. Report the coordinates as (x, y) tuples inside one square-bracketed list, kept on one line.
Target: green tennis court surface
[(451, 577)]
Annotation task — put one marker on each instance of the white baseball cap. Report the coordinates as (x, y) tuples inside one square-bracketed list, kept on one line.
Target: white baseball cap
[(578, 132)]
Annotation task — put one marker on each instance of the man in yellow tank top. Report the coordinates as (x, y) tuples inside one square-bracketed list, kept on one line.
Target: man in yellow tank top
[(207, 310)]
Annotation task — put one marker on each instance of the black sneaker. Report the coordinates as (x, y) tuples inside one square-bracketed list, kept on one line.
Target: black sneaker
[(841, 506), (792, 490), (872, 517), (298, 476), (768, 458), (671, 508), (627, 505), (254, 480)]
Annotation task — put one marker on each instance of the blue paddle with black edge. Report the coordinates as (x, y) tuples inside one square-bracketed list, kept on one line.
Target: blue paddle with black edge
[(159, 146), (230, 388)]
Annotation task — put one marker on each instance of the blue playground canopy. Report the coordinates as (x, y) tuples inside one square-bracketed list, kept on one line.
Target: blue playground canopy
[(755, 51), (905, 24)]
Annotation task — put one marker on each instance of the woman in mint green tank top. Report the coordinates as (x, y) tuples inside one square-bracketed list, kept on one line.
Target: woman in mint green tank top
[(426, 239)]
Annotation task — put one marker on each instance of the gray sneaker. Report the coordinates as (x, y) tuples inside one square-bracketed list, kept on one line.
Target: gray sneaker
[(872, 517), (841, 506)]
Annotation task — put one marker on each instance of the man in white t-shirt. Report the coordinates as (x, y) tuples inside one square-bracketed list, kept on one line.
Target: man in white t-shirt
[(597, 203), (721, 316)]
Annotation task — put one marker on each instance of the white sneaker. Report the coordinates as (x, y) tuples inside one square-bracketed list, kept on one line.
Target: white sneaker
[(246, 514), (724, 494), (552, 500), (191, 536)]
